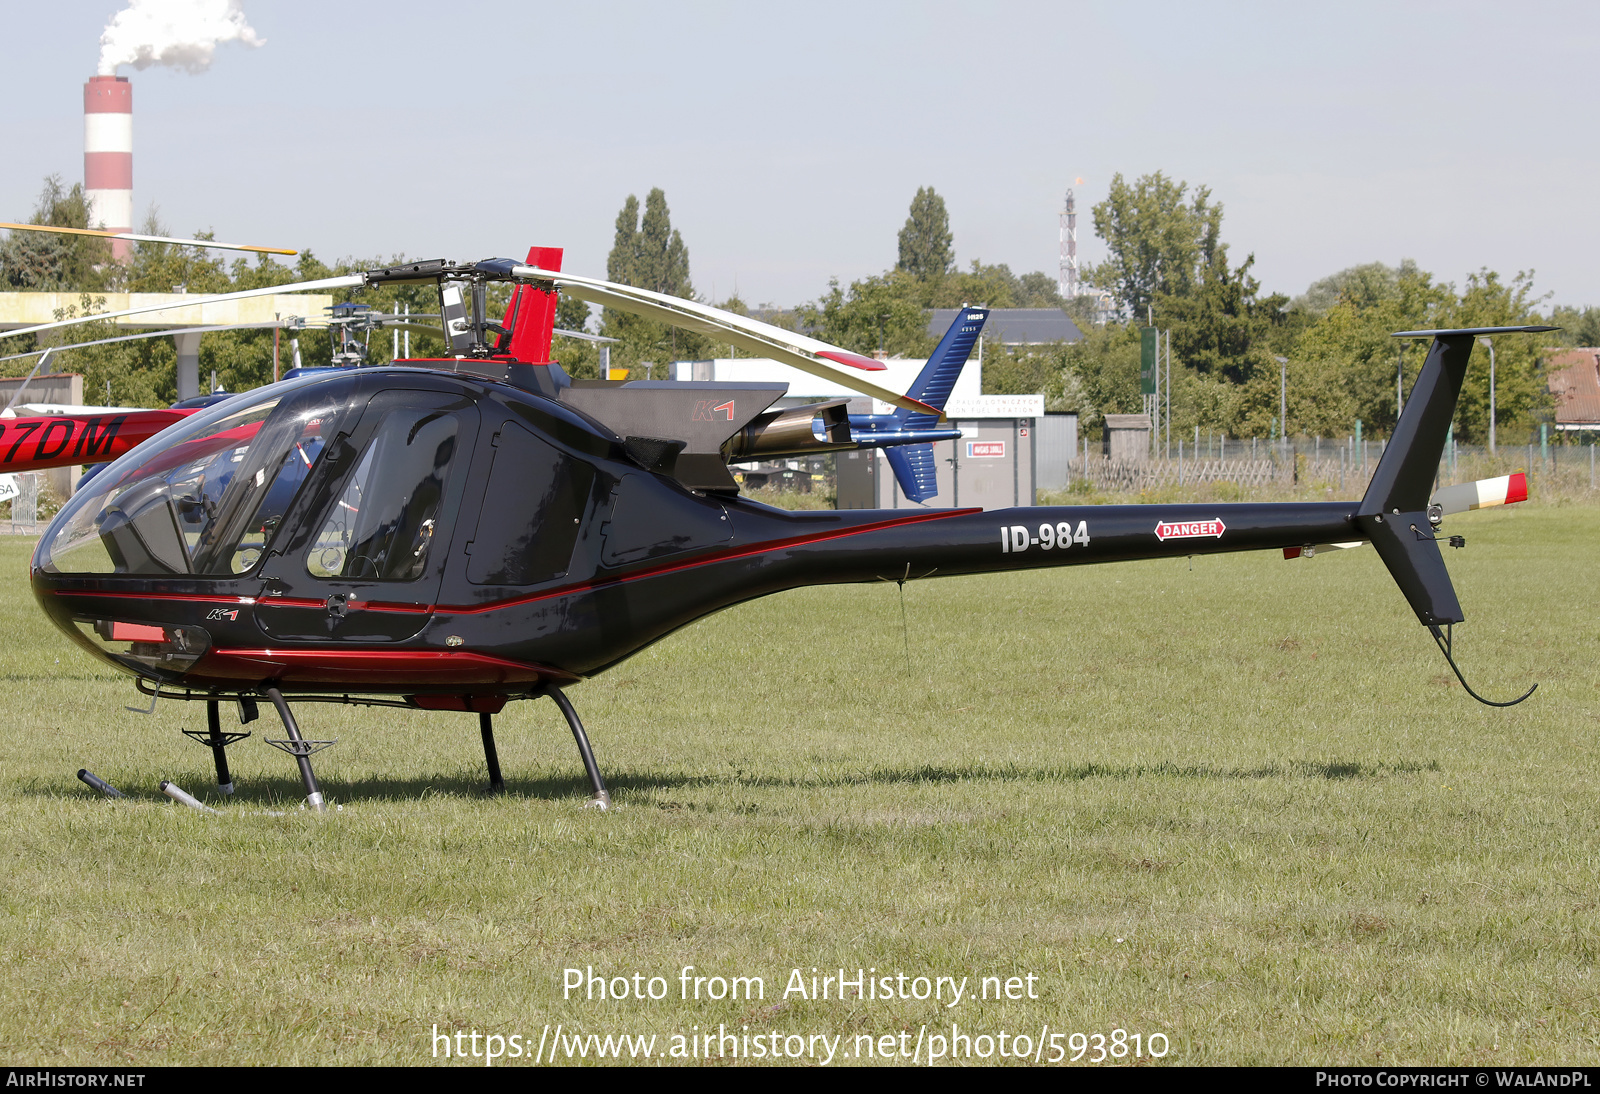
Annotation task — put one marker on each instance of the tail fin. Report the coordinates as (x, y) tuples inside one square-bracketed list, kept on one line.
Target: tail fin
[(1393, 514), (938, 377), (913, 465)]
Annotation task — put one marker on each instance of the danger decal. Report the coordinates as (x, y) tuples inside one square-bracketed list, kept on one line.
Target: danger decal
[(1190, 529)]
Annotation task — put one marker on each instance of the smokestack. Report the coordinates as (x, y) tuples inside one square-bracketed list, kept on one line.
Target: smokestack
[(108, 156)]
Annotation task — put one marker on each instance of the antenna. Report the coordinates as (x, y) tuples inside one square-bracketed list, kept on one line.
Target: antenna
[(1069, 248)]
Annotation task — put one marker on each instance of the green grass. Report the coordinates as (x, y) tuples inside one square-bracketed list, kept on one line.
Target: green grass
[(1243, 805)]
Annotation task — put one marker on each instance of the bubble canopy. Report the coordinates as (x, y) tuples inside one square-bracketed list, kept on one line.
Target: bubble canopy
[(205, 497)]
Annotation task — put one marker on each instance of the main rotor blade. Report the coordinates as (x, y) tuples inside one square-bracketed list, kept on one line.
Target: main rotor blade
[(582, 336), (348, 281), (796, 350), (146, 239), (288, 321)]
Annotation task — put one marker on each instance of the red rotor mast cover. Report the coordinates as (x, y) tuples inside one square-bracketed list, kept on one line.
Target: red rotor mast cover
[(532, 314)]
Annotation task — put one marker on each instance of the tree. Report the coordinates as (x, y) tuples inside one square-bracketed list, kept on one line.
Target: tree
[(1103, 370), (623, 261), (1522, 397), (648, 253), (1159, 245), (995, 286), (1038, 290), (1347, 361), (1362, 286), (1220, 327), (169, 267), (45, 262), (663, 264), (877, 313), (925, 240), (572, 313), (1579, 326)]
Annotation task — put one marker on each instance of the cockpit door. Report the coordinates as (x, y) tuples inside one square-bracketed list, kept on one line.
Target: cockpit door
[(367, 556)]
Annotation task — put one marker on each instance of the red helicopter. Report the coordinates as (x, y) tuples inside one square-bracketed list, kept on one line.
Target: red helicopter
[(459, 532)]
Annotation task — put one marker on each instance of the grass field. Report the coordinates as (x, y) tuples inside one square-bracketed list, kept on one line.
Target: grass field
[(1242, 805)]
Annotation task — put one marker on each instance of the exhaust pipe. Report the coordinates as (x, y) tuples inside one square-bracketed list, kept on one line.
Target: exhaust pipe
[(791, 432)]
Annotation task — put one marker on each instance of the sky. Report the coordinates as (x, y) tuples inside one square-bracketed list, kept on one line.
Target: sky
[(790, 138)]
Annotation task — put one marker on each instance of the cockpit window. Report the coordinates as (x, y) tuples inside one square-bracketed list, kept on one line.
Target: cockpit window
[(209, 498), (383, 525), (268, 494)]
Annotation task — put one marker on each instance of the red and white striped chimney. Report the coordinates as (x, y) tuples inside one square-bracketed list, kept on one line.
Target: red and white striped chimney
[(108, 156)]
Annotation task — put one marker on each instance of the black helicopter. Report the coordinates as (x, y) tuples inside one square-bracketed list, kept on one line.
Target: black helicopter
[(456, 533)]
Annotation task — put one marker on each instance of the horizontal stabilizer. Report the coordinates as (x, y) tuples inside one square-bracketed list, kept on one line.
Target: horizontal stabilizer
[(1469, 332)]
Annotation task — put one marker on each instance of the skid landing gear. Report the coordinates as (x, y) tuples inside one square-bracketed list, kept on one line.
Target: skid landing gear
[(497, 785), (218, 740), (601, 798), (300, 748)]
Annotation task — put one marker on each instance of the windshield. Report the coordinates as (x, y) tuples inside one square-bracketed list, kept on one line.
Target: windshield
[(210, 494)]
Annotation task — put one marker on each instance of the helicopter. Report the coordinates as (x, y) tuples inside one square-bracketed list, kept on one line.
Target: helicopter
[(460, 532)]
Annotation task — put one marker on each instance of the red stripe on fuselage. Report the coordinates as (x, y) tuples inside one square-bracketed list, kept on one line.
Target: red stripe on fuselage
[(357, 668), (727, 555)]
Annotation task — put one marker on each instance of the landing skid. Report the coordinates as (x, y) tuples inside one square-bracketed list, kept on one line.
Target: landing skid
[(218, 741), (497, 785), (301, 749), (601, 798)]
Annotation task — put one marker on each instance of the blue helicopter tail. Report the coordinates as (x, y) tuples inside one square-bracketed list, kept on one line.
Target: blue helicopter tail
[(914, 470), (913, 465), (938, 377)]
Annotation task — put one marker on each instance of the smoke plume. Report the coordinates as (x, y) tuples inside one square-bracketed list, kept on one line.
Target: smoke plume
[(175, 33)]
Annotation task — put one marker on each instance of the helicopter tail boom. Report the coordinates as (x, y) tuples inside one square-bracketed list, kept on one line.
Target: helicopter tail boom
[(62, 440)]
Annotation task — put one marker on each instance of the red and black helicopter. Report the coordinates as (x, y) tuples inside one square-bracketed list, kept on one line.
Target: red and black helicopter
[(459, 532)]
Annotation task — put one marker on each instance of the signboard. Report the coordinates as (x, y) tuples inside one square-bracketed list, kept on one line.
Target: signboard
[(1149, 351), (994, 406), (986, 450)]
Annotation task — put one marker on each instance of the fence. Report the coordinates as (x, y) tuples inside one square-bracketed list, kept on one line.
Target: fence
[(1341, 466), (24, 506)]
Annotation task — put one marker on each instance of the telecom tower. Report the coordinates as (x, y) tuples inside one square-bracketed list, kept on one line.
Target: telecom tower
[(1069, 249)]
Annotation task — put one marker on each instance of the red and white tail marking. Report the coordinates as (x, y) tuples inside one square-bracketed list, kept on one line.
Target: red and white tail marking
[(1483, 494)]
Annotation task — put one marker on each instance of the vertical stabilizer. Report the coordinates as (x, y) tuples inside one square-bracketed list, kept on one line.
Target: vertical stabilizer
[(938, 377), (913, 465), (1394, 511)]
